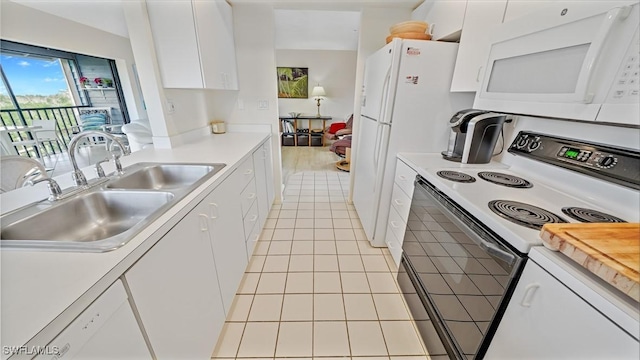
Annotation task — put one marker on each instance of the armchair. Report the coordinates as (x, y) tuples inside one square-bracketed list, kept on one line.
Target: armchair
[(340, 136), (337, 130)]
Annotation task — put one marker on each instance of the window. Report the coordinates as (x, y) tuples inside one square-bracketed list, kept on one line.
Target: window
[(43, 83), (36, 82)]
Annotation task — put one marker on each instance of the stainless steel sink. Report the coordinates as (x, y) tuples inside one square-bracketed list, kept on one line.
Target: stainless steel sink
[(164, 176), (107, 216), (91, 217)]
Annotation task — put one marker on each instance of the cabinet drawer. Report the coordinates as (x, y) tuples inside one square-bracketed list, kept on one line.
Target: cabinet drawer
[(246, 172), (401, 202), (251, 219), (397, 225), (252, 240), (395, 248), (405, 177), (248, 197)]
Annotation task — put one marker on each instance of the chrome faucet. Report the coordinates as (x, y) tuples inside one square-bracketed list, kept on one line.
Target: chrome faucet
[(78, 177)]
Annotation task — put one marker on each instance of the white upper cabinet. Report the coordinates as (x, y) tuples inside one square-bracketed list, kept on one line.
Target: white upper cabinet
[(517, 8), (445, 19), (194, 43), (481, 17)]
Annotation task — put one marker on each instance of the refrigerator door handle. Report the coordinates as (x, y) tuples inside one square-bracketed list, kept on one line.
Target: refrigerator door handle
[(377, 154), (376, 150), (385, 95)]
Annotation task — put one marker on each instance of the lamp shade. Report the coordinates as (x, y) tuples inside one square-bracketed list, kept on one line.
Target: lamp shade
[(318, 91)]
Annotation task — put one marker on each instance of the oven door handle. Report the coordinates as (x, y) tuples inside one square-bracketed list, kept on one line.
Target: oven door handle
[(495, 251), (487, 246)]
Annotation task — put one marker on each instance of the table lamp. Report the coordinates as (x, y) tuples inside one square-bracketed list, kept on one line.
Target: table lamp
[(318, 92)]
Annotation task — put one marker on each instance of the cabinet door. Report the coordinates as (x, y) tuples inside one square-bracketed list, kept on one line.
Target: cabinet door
[(481, 18), (259, 164), (214, 23), (174, 36), (227, 235), (445, 19), (175, 289), (517, 8), (268, 163), (546, 320)]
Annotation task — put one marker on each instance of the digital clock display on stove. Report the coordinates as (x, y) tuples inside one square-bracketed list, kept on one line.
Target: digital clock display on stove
[(574, 154)]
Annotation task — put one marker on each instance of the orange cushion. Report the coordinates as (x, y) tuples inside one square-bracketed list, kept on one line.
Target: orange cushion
[(336, 126)]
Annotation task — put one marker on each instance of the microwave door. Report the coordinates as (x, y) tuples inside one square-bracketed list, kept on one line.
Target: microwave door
[(555, 60)]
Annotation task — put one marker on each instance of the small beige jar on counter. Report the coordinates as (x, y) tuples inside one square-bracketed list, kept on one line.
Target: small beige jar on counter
[(218, 127)]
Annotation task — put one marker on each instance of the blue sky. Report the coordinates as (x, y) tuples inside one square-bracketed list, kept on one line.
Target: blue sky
[(32, 76)]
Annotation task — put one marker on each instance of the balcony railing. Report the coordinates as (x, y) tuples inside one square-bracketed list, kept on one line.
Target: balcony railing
[(66, 118)]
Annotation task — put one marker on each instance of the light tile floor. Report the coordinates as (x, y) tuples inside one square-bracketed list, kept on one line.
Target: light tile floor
[(315, 288)]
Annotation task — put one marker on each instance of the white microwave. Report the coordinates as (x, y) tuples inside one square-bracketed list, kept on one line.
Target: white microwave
[(570, 60)]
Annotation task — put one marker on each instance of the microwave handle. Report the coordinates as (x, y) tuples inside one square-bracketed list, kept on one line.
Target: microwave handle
[(595, 52)]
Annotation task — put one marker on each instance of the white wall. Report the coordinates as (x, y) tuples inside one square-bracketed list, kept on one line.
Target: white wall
[(29, 26), (254, 30), (333, 70)]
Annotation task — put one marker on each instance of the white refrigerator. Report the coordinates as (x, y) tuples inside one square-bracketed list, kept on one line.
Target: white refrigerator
[(406, 107)]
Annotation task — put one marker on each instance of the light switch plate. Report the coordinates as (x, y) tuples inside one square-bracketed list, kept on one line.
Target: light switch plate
[(263, 104)]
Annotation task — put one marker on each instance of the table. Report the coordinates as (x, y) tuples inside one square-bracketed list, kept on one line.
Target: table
[(309, 119), (6, 143)]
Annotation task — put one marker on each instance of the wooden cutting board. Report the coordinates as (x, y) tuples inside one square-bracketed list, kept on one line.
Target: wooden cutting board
[(609, 250)]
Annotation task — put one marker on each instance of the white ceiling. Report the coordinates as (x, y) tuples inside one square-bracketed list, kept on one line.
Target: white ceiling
[(316, 29), (300, 24), (106, 15)]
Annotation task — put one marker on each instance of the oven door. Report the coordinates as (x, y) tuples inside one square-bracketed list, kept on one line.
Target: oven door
[(457, 272)]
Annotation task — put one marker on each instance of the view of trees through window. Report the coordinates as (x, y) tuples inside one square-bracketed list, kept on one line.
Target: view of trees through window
[(36, 82)]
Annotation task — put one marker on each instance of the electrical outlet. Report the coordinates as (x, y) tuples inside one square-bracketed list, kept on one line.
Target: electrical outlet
[(171, 108), (263, 104), (240, 103)]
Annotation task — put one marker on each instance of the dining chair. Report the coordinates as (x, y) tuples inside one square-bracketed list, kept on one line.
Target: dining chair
[(94, 118), (43, 131), (16, 171)]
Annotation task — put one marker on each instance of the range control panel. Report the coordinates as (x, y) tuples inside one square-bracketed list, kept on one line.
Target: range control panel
[(618, 165)]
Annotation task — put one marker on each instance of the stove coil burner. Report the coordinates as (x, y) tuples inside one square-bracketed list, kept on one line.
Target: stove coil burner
[(590, 216), (505, 179), (524, 214), (456, 176)]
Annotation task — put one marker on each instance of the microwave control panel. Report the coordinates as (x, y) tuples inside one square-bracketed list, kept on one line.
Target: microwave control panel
[(626, 86), (617, 165)]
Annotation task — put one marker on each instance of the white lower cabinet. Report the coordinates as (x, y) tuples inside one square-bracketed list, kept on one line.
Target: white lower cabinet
[(546, 320), (224, 208), (175, 289), (400, 209), (264, 180), (184, 285)]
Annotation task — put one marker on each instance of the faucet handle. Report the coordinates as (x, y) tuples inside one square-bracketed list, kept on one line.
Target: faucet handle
[(99, 169), (78, 178), (54, 189), (116, 161)]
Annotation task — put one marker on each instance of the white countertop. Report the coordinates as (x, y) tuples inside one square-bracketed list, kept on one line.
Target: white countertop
[(38, 286)]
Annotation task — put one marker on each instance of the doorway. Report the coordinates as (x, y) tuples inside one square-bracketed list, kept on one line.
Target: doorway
[(319, 49)]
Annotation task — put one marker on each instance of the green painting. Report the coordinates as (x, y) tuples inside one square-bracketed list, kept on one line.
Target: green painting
[(293, 83)]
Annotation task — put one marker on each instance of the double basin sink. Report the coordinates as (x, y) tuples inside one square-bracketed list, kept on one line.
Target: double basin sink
[(106, 216)]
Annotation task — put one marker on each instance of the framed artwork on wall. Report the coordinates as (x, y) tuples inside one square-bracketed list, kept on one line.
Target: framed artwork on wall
[(293, 82)]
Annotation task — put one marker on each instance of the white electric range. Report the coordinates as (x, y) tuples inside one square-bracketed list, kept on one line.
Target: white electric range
[(472, 228)]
